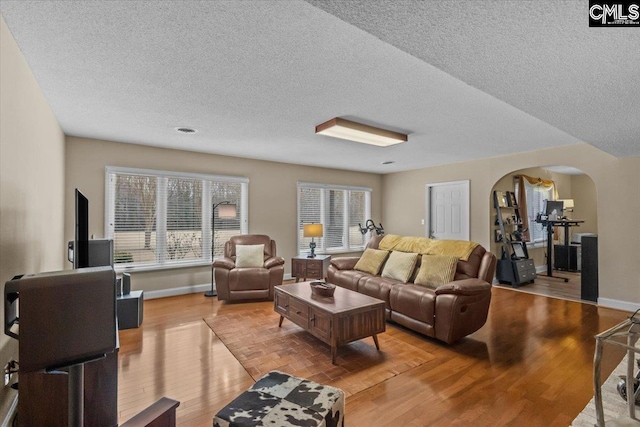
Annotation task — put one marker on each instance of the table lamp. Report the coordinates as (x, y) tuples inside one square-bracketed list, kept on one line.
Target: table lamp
[(567, 205), (312, 230)]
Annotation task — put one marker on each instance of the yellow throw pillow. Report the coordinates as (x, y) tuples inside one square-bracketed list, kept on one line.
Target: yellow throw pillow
[(371, 261), (436, 270), (400, 265), (249, 255)]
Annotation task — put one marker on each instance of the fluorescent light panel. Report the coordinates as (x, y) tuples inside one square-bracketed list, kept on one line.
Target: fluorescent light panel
[(358, 132)]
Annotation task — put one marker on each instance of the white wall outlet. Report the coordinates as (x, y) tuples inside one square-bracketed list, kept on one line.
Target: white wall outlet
[(422, 221)]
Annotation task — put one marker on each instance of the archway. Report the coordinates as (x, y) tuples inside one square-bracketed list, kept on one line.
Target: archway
[(576, 188)]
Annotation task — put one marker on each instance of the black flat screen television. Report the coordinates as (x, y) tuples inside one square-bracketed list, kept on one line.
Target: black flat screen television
[(81, 240)]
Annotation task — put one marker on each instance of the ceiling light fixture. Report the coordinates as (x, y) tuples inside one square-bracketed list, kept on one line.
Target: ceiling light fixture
[(358, 132), (187, 131)]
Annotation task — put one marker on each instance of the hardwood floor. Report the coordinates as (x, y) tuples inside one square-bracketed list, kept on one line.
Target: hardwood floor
[(530, 364), (554, 287)]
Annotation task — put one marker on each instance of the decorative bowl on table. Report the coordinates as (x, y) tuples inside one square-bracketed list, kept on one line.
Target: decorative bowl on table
[(322, 289)]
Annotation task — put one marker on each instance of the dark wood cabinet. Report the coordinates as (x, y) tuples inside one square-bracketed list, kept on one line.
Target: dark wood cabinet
[(515, 271), (310, 268), (44, 397)]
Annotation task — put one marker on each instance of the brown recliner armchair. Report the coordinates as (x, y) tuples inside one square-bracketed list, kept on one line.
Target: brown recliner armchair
[(240, 283)]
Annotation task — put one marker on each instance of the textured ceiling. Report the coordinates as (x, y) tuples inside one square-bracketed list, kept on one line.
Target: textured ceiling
[(256, 77), (539, 56)]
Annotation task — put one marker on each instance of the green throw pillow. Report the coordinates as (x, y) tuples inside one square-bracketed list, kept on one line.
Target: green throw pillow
[(400, 265), (436, 270), (371, 261)]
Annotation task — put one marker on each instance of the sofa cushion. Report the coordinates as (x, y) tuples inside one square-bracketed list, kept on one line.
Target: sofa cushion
[(378, 287), (415, 301), (249, 255), (436, 270), (371, 261), (345, 278), (400, 266)]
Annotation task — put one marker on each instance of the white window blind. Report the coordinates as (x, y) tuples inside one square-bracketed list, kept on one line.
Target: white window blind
[(339, 209), (161, 218), (536, 195)]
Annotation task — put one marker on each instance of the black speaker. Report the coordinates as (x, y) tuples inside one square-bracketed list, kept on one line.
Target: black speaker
[(100, 252), (65, 317), (589, 273), (126, 283), (130, 308)]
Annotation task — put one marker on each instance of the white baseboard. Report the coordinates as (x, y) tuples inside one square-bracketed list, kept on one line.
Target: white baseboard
[(161, 293), (193, 289), (11, 413), (619, 305)]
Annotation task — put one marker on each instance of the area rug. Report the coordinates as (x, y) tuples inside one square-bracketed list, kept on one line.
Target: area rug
[(614, 406), (255, 339)]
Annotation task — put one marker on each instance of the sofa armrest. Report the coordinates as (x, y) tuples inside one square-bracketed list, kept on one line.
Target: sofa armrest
[(226, 263), (273, 262), (345, 263), (464, 287)]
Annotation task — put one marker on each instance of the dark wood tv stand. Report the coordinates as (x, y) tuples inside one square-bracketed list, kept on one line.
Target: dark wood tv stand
[(44, 398)]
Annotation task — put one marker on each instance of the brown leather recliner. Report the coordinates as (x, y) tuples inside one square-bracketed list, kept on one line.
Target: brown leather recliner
[(240, 283)]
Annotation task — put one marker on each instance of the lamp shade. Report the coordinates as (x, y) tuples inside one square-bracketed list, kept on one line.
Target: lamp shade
[(227, 211), (312, 230), (567, 203)]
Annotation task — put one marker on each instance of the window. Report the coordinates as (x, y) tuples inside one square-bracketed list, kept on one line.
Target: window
[(536, 195), (339, 209), (158, 218)]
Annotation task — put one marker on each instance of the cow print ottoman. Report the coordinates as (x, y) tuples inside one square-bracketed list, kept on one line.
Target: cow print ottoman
[(280, 400)]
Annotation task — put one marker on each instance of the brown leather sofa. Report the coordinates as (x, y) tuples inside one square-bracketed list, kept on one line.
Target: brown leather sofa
[(447, 313), (240, 283)]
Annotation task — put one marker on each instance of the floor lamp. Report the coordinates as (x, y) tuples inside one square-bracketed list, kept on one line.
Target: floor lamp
[(227, 210)]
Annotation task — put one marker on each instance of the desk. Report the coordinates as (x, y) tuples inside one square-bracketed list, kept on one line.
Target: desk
[(566, 224)]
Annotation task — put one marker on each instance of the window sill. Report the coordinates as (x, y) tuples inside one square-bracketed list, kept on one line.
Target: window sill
[(536, 245), (338, 251), (122, 268)]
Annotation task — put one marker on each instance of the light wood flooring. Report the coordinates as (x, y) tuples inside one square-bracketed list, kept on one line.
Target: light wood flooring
[(531, 364), (554, 287)]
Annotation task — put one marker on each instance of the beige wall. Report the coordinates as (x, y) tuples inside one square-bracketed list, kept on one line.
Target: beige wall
[(272, 194), (618, 203), (583, 191), (31, 181)]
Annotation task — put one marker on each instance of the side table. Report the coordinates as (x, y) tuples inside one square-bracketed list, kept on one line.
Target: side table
[(624, 334), (303, 268)]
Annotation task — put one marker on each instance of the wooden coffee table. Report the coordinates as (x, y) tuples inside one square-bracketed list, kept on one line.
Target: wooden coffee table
[(347, 316)]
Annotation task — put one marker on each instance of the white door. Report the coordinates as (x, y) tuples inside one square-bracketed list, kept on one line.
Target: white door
[(448, 210)]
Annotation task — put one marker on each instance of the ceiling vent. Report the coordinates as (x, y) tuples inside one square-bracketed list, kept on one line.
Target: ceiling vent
[(185, 130)]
